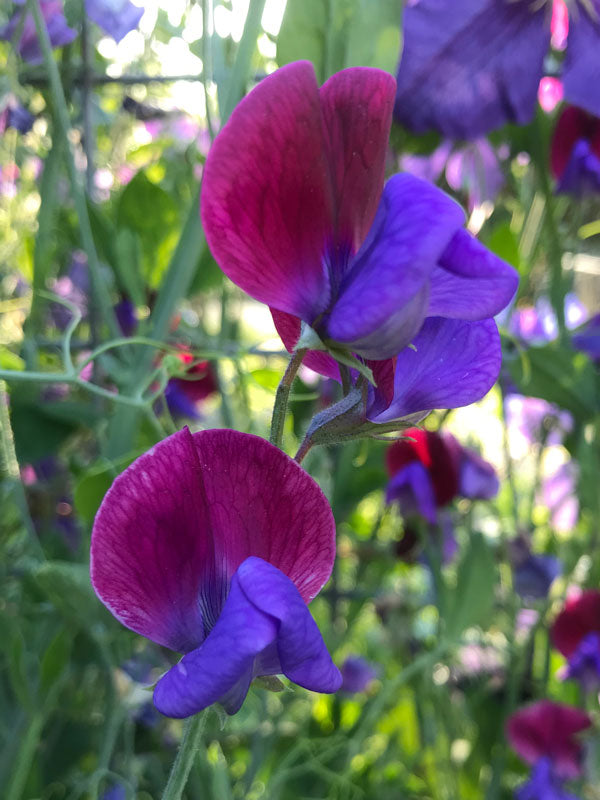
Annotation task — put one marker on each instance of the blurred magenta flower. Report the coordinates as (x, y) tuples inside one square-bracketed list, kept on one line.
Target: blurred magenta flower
[(575, 153), (470, 66), (296, 213), (29, 47), (115, 17), (576, 634), (211, 544), (183, 395), (550, 94), (544, 735), (357, 674), (428, 470)]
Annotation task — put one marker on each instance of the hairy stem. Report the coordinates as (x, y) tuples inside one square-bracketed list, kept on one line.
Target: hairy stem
[(282, 397), (188, 749)]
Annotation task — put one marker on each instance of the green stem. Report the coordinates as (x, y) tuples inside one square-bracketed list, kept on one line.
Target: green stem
[(101, 292), (188, 750), (282, 397), (27, 750)]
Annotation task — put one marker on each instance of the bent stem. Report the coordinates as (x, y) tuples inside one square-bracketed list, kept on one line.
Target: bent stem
[(282, 397), (188, 750)]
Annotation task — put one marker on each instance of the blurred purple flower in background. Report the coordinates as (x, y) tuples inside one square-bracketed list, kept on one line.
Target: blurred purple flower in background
[(319, 238), (115, 17), (558, 493), (74, 287), (587, 339), (16, 116), (29, 47), (469, 66), (544, 735), (212, 544), (533, 574), (357, 674), (575, 153), (576, 634)]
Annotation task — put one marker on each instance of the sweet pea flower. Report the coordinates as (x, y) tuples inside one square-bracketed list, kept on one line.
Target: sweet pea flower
[(428, 470), (357, 674), (587, 339), (544, 735), (184, 394), (115, 17), (576, 634), (296, 213), (575, 152), (533, 574), (212, 544), (16, 116), (29, 47), (470, 66)]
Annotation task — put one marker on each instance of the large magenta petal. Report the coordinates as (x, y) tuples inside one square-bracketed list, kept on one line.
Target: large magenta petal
[(357, 109), (267, 204), (581, 75), (453, 363), (263, 607), (470, 282), (547, 729), (469, 66), (382, 299), (179, 521)]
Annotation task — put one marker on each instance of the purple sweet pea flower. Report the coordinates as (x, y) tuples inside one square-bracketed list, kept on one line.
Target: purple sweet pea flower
[(544, 784), (475, 170), (575, 153), (470, 66), (587, 340), (533, 574), (212, 544), (115, 17), (17, 117), (357, 674), (559, 495), (576, 633), (59, 32), (298, 216)]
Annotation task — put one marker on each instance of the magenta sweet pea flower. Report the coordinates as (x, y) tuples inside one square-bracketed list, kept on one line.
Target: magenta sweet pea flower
[(544, 735), (29, 47), (575, 154), (296, 213), (469, 66), (212, 544), (576, 634)]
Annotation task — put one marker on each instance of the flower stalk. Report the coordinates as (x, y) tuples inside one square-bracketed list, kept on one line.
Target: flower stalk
[(282, 397), (188, 749)]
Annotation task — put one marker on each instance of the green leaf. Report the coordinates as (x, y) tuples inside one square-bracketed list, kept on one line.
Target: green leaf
[(90, 490), (505, 244), (471, 601), (558, 375), (149, 211), (375, 35), (55, 662), (69, 589)]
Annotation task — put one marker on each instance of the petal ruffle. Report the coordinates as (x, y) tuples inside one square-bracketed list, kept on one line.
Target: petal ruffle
[(470, 282), (175, 526), (263, 607), (454, 363), (381, 301), (581, 74), (470, 66), (357, 108), (267, 205)]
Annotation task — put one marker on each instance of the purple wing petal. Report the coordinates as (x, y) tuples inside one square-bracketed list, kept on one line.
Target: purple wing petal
[(413, 490), (302, 653), (478, 479), (581, 75), (470, 282), (151, 544), (176, 525), (455, 363), (382, 299), (263, 607), (357, 108), (266, 195), (470, 65), (116, 18)]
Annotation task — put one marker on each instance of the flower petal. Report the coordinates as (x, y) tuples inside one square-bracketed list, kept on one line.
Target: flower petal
[(380, 304), (179, 521), (548, 729), (288, 327), (579, 617), (266, 204), (581, 74), (116, 18), (478, 479), (470, 282), (470, 66), (413, 489), (263, 607), (454, 364), (357, 108)]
